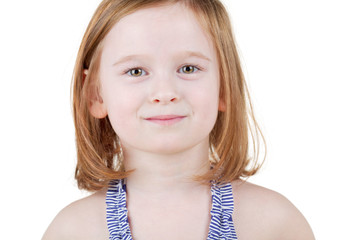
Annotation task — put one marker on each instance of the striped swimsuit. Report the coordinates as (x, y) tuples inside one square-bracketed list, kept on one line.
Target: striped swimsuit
[(221, 224)]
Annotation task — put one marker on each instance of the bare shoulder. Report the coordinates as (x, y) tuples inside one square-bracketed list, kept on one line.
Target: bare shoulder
[(82, 219), (260, 214)]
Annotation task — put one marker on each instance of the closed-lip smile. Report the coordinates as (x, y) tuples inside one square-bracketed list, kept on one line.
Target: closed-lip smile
[(165, 119)]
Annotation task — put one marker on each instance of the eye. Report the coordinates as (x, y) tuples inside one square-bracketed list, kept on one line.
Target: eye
[(135, 72), (188, 69)]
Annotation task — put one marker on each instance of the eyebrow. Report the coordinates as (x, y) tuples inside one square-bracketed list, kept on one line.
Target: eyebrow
[(184, 54), (195, 54), (128, 58)]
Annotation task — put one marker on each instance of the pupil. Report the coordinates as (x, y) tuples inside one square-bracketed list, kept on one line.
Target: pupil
[(188, 69), (136, 71)]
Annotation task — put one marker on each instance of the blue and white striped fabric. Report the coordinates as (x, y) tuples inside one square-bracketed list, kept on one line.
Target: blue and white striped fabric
[(221, 224)]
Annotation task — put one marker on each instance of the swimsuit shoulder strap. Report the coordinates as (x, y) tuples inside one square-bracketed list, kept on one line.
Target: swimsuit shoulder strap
[(221, 225)]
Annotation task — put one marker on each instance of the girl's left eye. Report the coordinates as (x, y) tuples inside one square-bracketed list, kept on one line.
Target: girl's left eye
[(188, 69)]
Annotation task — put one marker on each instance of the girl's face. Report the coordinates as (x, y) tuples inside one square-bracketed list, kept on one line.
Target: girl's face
[(159, 81)]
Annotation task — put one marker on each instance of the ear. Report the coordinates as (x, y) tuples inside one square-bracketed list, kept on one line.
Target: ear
[(97, 108), (222, 105), (96, 104), (84, 75)]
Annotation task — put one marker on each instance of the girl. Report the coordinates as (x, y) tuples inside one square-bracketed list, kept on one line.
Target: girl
[(162, 123)]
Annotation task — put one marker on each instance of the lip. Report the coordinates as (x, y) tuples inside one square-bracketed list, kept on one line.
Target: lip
[(165, 120)]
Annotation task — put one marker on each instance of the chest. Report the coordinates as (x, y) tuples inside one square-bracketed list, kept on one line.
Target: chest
[(170, 220)]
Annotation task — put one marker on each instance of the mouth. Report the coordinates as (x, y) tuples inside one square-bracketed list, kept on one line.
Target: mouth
[(165, 120)]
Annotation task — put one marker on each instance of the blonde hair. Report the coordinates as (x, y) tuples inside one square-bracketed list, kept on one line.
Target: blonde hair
[(99, 153)]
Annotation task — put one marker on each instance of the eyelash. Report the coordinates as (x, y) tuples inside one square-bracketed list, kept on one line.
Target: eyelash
[(127, 71), (196, 68)]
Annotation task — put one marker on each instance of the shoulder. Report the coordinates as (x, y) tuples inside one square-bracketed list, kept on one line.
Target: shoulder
[(260, 213), (82, 219)]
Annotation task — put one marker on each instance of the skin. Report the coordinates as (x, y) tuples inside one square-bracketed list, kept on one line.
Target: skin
[(163, 108), (259, 214)]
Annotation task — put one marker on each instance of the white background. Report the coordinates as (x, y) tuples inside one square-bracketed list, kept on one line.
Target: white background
[(302, 63)]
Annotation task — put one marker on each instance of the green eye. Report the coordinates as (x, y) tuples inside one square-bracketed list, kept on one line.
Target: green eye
[(135, 72), (188, 69)]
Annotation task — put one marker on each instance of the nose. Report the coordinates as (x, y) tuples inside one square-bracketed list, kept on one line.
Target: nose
[(164, 91)]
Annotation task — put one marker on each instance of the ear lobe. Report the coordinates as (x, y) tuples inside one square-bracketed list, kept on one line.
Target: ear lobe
[(222, 106), (97, 108), (96, 105)]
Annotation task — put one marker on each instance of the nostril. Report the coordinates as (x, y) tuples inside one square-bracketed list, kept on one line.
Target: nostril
[(164, 100)]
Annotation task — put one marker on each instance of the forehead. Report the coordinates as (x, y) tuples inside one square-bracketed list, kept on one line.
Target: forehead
[(160, 30)]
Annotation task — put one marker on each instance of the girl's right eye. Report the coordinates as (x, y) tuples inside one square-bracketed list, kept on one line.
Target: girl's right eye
[(135, 72)]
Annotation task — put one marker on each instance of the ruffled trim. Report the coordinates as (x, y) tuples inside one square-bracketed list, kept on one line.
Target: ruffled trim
[(116, 211), (221, 224)]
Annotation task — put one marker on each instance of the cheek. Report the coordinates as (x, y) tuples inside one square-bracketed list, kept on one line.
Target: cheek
[(121, 107), (206, 101)]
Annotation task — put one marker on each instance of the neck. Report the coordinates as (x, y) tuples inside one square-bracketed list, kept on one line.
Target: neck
[(166, 173)]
